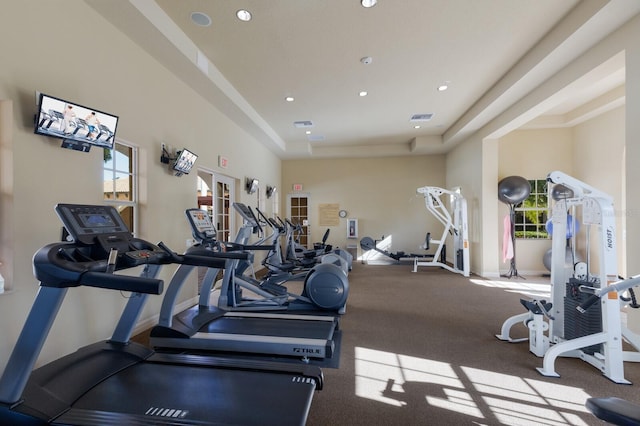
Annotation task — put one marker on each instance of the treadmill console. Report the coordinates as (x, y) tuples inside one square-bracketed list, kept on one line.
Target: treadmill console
[(98, 231), (246, 213), (201, 226), (248, 216), (84, 222)]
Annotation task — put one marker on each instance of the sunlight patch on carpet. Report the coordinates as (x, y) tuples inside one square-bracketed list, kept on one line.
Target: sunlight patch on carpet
[(404, 381), (537, 287)]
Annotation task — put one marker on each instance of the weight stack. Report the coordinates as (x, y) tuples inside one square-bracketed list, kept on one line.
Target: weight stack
[(578, 324)]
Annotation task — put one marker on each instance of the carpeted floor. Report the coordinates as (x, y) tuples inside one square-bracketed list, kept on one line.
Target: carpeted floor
[(420, 349)]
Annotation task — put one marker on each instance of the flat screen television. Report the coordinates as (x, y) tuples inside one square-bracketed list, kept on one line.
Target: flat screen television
[(77, 125), (184, 162), (252, 185)]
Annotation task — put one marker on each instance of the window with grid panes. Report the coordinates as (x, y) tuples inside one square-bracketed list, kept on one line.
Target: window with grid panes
[(120, 181), (531, 215)]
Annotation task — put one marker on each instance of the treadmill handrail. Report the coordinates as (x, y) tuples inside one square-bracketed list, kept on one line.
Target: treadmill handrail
[(121, 282), (205, 257)]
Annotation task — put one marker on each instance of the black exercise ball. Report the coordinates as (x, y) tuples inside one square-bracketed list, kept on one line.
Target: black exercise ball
[(513, 189), (561, 192)]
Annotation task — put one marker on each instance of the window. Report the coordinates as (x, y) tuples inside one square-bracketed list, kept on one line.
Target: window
[(531, 215), (120, 181)]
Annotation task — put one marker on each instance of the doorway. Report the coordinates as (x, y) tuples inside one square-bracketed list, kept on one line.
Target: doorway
[(298, 207), (216, 195)]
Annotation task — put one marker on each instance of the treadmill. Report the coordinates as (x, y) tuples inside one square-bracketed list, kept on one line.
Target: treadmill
[(282, 336), (118, 382)]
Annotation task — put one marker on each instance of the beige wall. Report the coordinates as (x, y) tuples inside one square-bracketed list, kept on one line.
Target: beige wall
[(379, 192), (599, 161), (72, 53), (632, 171), (621, 40), (578, 151), (532, 154), (462, 170), (105, 70)]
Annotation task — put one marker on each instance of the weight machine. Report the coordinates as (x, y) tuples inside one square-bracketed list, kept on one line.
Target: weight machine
[(455, 224), (574, 324)]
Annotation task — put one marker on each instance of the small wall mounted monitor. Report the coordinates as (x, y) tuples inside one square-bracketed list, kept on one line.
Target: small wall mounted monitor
[(185, 161), (76, 124), (252, 185)]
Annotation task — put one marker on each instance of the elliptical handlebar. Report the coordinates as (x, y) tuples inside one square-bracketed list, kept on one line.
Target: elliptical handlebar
[(266, 220), (255, 218)]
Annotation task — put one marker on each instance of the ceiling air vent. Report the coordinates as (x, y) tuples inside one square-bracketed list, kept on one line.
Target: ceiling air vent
[(421, 117), (303, 124)]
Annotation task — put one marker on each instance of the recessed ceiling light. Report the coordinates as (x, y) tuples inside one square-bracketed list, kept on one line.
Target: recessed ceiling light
[(416, 127), (289, 99), (243, 15), (368, 3), (308, 132), (444, 86), (201, 19), (363, 93)]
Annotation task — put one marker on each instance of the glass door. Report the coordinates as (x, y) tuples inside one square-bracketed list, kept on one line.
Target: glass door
[(205, 194), (224, 198), (299, 214)]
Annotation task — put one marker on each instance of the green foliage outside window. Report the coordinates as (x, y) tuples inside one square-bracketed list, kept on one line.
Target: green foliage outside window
[(531, 215)]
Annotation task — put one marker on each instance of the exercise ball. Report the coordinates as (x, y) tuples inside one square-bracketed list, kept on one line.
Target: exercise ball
[(573, 226), (513, 189), (569, 261), (561, 192)]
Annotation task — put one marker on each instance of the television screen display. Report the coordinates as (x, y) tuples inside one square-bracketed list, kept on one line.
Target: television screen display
[(185, 161), (75, 123), (252, 185)]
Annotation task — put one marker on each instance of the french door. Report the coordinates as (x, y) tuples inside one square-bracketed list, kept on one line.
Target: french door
[(216, 194), (298, 207), (224, 199)]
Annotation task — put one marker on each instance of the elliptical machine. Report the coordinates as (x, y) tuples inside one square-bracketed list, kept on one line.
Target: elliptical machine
[(286, 268), (325, 286)]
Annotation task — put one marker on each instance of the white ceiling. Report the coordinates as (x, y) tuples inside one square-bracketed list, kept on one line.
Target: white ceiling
[(491, 53)]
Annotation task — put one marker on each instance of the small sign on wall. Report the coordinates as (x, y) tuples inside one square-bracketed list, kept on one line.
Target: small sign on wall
[(297, 187), (329, 214), (352, 228), (223, 161)]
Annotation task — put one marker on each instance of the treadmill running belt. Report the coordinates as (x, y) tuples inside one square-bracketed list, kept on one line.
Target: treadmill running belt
[(205, 396), (271, 327)]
